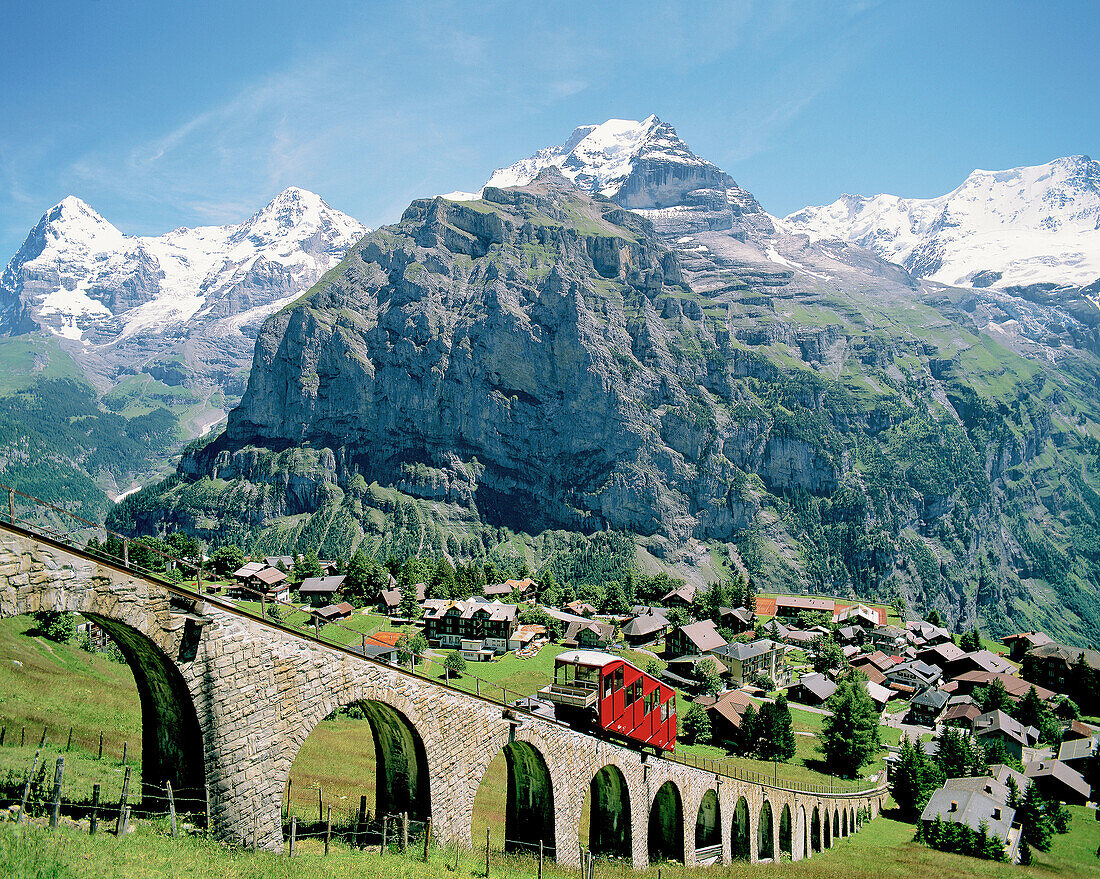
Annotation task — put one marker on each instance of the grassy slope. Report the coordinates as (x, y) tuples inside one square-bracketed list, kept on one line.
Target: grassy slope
[(882, 850)]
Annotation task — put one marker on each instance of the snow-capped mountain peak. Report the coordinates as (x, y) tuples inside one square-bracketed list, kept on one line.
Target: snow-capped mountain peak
[(81, 278), (1019, 226)]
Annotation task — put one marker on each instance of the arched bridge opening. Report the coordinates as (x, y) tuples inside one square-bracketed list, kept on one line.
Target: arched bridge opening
[(517, 791), (171, 738), (740, 840), (609, 815), (765, 842), (708, 830), (666, 825)]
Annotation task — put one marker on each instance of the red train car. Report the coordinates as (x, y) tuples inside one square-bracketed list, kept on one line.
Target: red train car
[(604, 692)]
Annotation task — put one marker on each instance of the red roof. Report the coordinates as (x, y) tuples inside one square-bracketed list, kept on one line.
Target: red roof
[(385, 639)]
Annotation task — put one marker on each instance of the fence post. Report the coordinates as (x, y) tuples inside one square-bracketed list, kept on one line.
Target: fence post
[(125, 750), (42, 741), (206, 796), (124, 821), (27, 790), (22, 735), (11, 505), (3, 733), (404, 832), (120, 827), (293, 834), (58, 775), (100, 747), (68, 744), (360, 826), (93, 819), (171, 808), (382, 847), (320, 808), (427, 836), (486, 853), (126, 552), (540, 859), (328, 829)]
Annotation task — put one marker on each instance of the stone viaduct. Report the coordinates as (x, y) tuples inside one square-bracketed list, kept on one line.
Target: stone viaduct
[(228, 700)]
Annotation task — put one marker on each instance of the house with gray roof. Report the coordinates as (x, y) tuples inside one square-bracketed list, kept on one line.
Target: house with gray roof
[(975, 809), (700, 637), (748, 661), (1059, 781), (645, 629), (812, 689), (1012, 734), (927, 706)]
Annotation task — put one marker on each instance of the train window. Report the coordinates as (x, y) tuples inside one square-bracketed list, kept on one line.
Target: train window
[(664, 711), (635, 692), (619, 678), (607, 685)]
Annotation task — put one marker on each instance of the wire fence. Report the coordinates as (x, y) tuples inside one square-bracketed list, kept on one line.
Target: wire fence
[(272, 610)]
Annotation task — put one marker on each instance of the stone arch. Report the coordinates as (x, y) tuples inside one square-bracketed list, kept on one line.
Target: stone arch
[(403, 780), (827, 824), (529, 807), (765, 841), (666, 825), (171, 738), (844, 822), (815, 830), (805, 832), (852, 819), (609, 815), (740, 838), (786, 833), (836, 824), (708, 823)]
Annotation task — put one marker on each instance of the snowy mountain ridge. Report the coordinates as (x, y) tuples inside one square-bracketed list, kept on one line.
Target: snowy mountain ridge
[(1016, 227), (80, 278)]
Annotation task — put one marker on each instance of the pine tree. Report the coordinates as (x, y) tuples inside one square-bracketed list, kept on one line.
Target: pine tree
[(1035, 822), (850, 736), (783, 729), (934, 617), (748, 733)]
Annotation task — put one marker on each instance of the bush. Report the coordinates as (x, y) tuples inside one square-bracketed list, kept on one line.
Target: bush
[(57, 625), (455, 663)]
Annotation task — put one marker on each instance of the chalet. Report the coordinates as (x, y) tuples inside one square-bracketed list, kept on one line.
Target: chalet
[(788, 607), (581, 608), (879, 695), (927, 706), (1058, 781), (487, 624), (389, 602), (961, 712), (940, 655), (685, 667), (878, 661), (736, 619), (683, 595), (333, 612), (979, 660), (700, 637), (589, 635), (319, 591), (996, 725), (889, 638), (381, 646), (282, 562), (849, 634), (1051, 664), (524, 635), (257, 580), (1022, 642), (859, 615), (812, 689), (522, 588), (1016, 688), (644, 629), (749, 661), (775, 629), (1077, 752), (917, 675), (725, 713), (976, 810), (926, 633)]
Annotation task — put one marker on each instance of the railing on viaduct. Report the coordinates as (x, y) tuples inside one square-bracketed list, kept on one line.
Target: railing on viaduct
[(75, 538)]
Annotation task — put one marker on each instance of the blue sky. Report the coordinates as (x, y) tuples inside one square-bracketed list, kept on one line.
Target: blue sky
[(161, 115)]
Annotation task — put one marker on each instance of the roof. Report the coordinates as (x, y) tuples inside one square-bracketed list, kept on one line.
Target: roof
[(269, 576), (878, 659), (696, 659), (962, 711), (880, 694), (927, 630), (998, 721), (704, 635), (1063, 773), (985, 784), (859, 611), (922, 671), (945, 652), (742, 614), (1015, 687), (934, 699), (581, 607), (287, 561), (492, 610), (1078, 730), (970, 808), (818, 684), (385, 639), (644, 625), (332, 611), (986, 660), (1003, 773), (1077, 749), (804, 603), (730, 705), (594, 658), (1032, 639), (321, 584), (603, 631), (1067, 654), (249, 569), (741, 651), (685, 592)]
